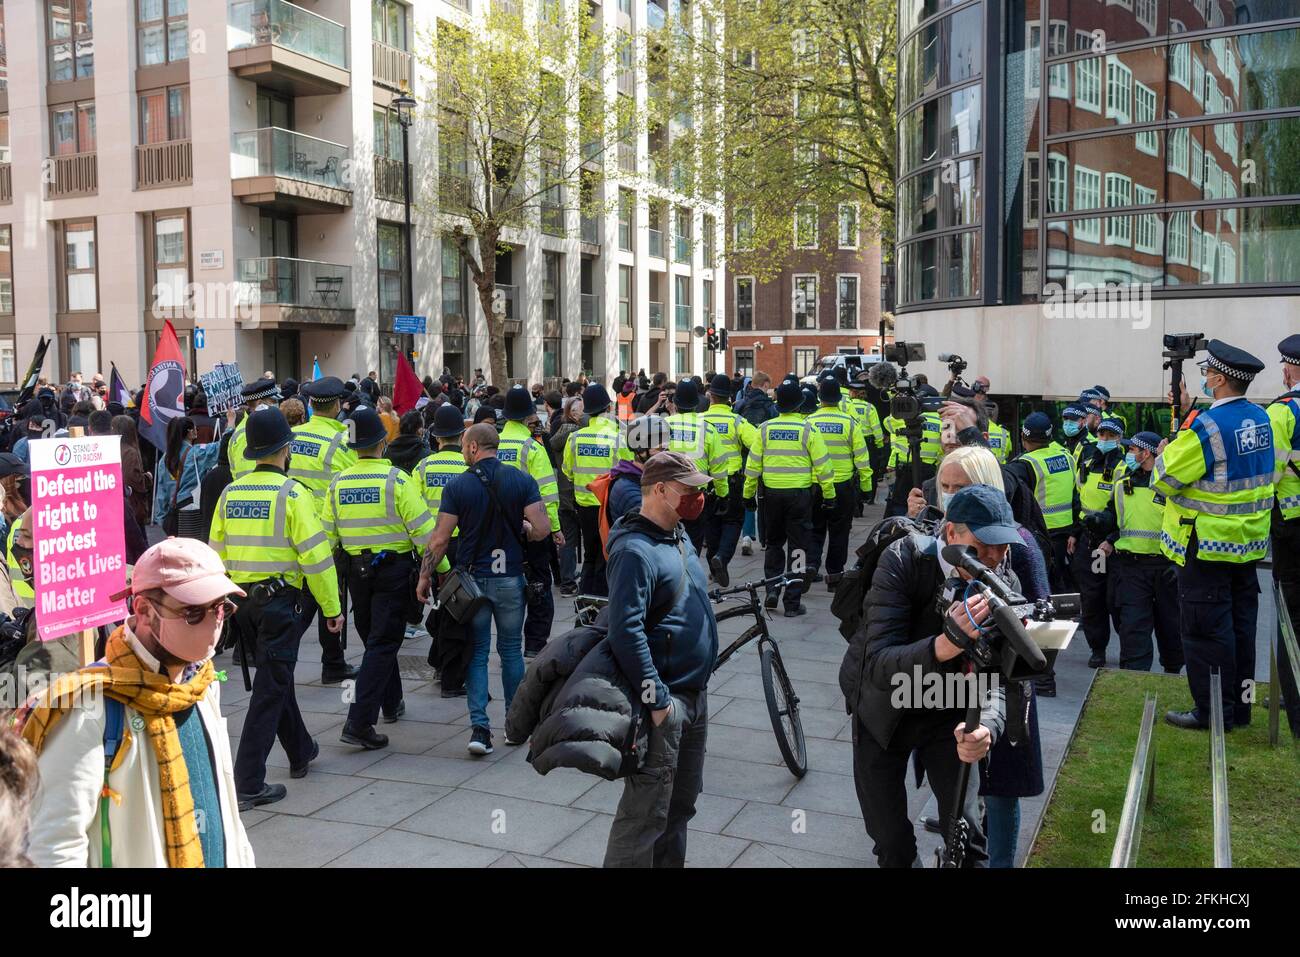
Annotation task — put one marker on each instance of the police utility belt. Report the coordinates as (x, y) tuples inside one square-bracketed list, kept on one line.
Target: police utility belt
[(264, 591), (366, 563)]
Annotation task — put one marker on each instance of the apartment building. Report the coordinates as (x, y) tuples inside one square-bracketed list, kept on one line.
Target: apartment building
[(236, 167)]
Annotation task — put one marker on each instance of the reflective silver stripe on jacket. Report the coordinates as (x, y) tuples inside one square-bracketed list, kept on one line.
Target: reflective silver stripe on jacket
[(1223, 508)]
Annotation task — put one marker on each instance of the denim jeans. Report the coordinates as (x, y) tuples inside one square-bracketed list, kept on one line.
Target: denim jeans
[(505, 605), (749, 528), (1004, 829)]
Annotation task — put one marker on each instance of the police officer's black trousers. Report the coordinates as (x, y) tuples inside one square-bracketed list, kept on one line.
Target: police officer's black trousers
[(787, 522), (1220, 604), (832, 531), (1144, 596), (593, 554), (723, 518), (1095, 616), (1061, 577), (541, 607), (331, 645), (379, 605), (275, 628), (1286, 572)]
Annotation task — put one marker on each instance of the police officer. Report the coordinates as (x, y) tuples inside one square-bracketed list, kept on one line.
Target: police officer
[(319, 452), (1284, 413), (376, 514), (267, 533), (1090, 401), (999, 435), (1101, 465), (16, 506), (261, 394), (589, 453), (695, 437), (431, 476), (847, 447), (788, 457), (1048, 469), (864, 410), (1073, 417), (520, 450), (1143, 582), (1217, 479), (724, 517)]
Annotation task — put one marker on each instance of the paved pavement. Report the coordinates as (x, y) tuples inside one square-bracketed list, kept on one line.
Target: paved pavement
[(424, 801)]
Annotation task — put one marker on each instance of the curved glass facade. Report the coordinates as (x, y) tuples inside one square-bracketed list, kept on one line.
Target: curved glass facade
[(1152, 141)]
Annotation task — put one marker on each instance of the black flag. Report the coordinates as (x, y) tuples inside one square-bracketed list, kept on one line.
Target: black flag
[(33, 373)]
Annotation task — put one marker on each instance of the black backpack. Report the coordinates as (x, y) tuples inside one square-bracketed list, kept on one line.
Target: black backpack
[(851, 592)]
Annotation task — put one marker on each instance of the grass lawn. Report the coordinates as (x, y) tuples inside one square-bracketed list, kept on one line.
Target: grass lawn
[(1263, 785)]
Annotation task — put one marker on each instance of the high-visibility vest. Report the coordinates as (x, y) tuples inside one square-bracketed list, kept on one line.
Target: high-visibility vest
[(375, 506), (1139, 515), (238, 442), (434, 472), (1227, 503), (1053, 484), (1000, 442), (518, 449), (265, 525), (844, 442), (789, 453), (735, 433), (868, 420), (1284, 413), (626, 407), (931, 445), (695, 437), (1095, 478), (22, 588), (589, 453), (320, 452)]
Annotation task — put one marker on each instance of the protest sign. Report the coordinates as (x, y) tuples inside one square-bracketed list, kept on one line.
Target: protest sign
[(222, 386), (78, 543)]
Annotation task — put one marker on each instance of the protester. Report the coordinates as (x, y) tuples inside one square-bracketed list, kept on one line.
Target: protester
[(19, 779), (182, 467), (137, 480), (295, 413), (570, 420)]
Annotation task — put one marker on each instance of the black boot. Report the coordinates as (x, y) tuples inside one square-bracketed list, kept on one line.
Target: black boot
[(366, 738)]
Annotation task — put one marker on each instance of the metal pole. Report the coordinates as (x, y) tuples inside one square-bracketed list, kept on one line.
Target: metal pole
[(406, 195)]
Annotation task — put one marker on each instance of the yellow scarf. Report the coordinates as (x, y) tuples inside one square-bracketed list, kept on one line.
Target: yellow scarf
[(124, 678)]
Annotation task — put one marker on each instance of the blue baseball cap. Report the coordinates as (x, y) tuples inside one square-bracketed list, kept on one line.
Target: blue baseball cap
[(984, 510)]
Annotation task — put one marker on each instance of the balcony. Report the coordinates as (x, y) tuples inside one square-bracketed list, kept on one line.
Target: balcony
[(590, 233), (6, 183), (656, 314), (552, 219), (506, 297), (656, 242), (453, 192), (391, 66), (590, 313), (657, 170), (76, 174), (655, 16), (683, 318), (390, 180), (627, 157), (276, 292), (284, 47), (164, 164), (288, 171), (682, 249)]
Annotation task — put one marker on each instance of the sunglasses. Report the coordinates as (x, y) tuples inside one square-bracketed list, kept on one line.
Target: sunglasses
[(194, 614)]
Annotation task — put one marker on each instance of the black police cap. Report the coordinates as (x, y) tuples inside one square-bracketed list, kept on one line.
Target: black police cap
[(368, 429), (1232, 362), (324, 390), (259, 389), (789, 396), (720, 385), (595, 399), (519, 404), (267, 432), (448, 421), (687, 395), (1290, 349), (829, 390)]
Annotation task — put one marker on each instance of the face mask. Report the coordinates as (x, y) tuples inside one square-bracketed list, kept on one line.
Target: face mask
[(1131, 461), (1205, 388), (1071, 427), (690, 505), (944, 499), (1107, 445), (188, 642)]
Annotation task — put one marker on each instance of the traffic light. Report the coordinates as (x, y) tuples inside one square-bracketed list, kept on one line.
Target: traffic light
[(712, 340), (722, 340)]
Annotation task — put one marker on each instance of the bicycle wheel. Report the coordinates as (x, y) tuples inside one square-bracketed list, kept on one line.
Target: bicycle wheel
[(783, 708)]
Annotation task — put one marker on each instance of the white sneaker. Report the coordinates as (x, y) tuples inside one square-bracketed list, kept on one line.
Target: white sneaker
[(746, 546)]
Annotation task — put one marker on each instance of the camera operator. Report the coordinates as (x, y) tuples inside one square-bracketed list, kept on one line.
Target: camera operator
[(906, 634)]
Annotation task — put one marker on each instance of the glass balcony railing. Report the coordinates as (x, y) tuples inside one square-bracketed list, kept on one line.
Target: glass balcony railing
[(656, 242), (289, 155), (655, 16), (276, 22), (507, 300), (656, 315), (681, 249), (279, 281), (683, 323), (590, 306)]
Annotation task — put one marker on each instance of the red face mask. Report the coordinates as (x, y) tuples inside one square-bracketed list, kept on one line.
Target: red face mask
[(690, 505)]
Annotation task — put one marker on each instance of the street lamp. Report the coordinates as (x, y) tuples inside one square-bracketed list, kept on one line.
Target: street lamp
[(405, 104)]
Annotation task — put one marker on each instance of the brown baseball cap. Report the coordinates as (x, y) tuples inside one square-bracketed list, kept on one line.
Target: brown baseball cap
[(672, 467)]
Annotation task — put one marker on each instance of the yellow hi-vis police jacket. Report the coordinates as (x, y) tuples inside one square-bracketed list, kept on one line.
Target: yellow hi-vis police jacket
[(320, 452), (694, 436), (789, 453), (1284, 413), (845, 443), (518, 449), (434, 472), (734, 432), (374, 506), (591, 452)]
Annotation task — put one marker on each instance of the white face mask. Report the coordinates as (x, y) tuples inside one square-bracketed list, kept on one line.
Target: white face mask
[(944, 499)]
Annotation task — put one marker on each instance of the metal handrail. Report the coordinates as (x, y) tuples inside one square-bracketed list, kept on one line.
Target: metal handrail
[(1286, 630), (1141, 789), (1219, 775)]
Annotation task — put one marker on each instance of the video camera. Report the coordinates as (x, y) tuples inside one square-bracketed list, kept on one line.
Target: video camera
[(904, 403), (1179, 347), (956, 365)]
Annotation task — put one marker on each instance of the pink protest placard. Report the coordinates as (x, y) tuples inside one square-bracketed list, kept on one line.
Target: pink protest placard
[(78, 543)]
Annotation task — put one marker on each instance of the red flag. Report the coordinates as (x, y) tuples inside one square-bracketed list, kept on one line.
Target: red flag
[(407, 389), (164, 390)]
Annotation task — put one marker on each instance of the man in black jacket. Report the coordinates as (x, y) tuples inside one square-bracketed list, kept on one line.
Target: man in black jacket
[(905, 642)]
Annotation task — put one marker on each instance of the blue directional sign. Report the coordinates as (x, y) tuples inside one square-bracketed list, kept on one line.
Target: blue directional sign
[(409, 324), (199, 338)]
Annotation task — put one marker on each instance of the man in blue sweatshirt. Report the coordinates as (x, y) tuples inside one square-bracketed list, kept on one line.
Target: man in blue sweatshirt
[(665, 639)]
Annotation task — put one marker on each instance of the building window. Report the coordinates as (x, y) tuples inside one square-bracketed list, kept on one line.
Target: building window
[(550, 357), (171, 269), (551, 286), (1058, 178), (1119, 192), (710, 240), (682, 302), (6, 279), (848, 226), (744, 227), (805, 227), (625, 296), (1087, 84), (165, 115), (1144, 104), (805, 302), (745, 302), (1179, 147), (846, 297), (1198, 161), (4, 126), (1147, 238), (1198, 79), (72, 129), (163, 31), (679, 360), (79, 282), (69, 40), (707, 301), (391, 266), (744, 362), (1033, 187), (1058, 43), (1180, 65), (388, 23), (1033, 58), (681, 234), (453, 285), (1177, 251), (1087, 195), (805, 362), (83, 355), (1119, 91), (626, 216), (388, 134)]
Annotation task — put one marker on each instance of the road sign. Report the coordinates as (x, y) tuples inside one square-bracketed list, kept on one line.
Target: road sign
[(409, 324), (199, 338)]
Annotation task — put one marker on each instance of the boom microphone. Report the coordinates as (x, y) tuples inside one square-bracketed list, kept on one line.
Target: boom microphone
[(966, 558), (882, 375)]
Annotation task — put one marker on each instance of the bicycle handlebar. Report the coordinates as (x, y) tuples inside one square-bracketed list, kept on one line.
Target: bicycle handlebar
[(776, 581)]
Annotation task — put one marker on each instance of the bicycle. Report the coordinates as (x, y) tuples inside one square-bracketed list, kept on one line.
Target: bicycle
[(782, 702)]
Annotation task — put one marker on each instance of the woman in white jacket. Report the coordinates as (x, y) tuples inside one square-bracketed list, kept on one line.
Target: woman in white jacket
[(169, 797)]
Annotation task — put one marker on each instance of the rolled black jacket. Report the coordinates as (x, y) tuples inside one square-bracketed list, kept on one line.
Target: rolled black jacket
[(896, 636)]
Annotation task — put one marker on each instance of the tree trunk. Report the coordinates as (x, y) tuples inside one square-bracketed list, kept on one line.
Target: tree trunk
[(485, 280)]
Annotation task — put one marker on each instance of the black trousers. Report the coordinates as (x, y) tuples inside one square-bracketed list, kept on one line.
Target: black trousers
[(1286, 572), (1095, 617), (880, 778), (593, 554), (379, 605), (275, 629), (1061, 578), (833, 531), (573, 545), (698, 527), (723, 518), (1219, 604), (541, 607), (331, 645), (787, 524), (1144, 595)]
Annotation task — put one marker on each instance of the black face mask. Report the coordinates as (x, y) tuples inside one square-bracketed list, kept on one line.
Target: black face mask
[(23, 556)]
